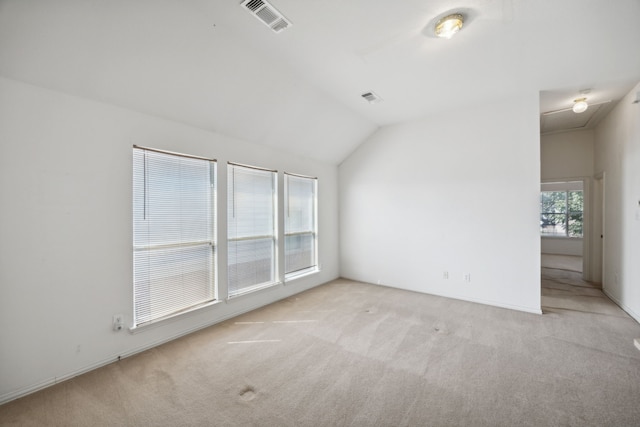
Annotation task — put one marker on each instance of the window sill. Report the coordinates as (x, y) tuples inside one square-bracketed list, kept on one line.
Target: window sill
[(301, 274), (561, 237), (253, 290), (171, 318)]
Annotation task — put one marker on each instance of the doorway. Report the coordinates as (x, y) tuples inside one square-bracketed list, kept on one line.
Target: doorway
[(598, 233)]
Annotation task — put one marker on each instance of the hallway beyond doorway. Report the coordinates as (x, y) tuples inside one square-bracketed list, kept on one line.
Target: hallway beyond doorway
[(562, 262)]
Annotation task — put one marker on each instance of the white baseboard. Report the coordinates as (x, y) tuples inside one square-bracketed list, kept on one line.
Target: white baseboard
[(491, 303), (16, 394), (619, 303), (497, 304)]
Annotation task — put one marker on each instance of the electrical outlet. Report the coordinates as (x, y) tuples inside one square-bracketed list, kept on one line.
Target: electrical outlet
[(445, 275), (118, 323), (467, 277)]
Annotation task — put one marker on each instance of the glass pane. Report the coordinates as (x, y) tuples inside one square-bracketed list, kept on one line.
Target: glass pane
[(250, 228), (251, 207), (173, 233), (300, 223), (251, 263), (300, 204), (575, 225), (553, 202), (172, 199), (575, 201), (553, 224), (299, 252), (171, 279)]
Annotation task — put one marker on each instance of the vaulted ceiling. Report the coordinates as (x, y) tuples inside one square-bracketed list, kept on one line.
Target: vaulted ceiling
[(210, 64)]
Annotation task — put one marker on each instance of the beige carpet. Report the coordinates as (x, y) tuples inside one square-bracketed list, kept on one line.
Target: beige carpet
[(353, 354), (562, 262)]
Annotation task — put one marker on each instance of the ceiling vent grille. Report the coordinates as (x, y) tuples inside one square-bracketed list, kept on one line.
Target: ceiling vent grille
[(372, 97), (267, 14)]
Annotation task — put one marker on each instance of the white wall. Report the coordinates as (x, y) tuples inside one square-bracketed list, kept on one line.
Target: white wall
[(455, 192), (566, 156), (561, 246), (617, 156), (65, 222)]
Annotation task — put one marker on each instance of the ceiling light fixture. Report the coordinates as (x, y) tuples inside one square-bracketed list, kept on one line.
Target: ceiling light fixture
[(449, 25), (580, 105)]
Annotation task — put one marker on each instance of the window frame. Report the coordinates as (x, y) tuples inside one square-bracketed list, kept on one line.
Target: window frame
[(231, 211), (313, 231), (210, 282), (566, 213)]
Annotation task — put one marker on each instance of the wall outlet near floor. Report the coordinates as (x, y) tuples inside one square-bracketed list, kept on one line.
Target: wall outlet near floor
[(445, 275), (467, 277), (118, 323)]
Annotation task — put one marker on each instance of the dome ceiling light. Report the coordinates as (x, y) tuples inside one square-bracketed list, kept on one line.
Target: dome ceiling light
[(580, 105), (449, 25)]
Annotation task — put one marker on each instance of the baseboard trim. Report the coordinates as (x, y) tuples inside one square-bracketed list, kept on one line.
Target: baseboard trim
[(619, 303), (493, 303), (8, 397), (490, 303), (502, 305), (16, 394)]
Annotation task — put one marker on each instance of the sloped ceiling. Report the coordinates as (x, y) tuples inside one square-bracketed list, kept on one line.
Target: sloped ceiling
[(210, 64), (556, 113)]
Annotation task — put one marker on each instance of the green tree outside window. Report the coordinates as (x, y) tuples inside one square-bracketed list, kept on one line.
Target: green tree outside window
[(561, 213)]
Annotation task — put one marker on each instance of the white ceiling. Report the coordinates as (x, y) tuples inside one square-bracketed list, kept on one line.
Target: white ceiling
[(210, 64), (555, 106)]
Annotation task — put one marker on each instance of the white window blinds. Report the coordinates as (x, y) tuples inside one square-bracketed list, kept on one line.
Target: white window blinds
[(173, 233), (300, 225), (251, 228)]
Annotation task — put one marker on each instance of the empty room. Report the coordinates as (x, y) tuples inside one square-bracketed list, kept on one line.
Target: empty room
[(319, 213)]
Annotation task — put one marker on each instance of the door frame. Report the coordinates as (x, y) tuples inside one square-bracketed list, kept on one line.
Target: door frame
[(598, 230)]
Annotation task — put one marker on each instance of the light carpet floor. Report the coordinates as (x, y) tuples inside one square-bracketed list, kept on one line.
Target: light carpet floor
[(562, 262), (354, 354)]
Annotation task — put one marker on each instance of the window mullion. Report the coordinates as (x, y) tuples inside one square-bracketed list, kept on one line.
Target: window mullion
[(566, 213)]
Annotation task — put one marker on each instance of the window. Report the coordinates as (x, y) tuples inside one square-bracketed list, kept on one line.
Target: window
[(561, 213), (300, 225), (251, 228), (173, 233)]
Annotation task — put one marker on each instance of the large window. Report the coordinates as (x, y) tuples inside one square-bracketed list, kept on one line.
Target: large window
[(300, 225), (561, 213), (251, 228), (173, 233)]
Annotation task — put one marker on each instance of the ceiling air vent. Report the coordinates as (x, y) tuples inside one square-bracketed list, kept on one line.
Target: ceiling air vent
[(373, 98), (267, 14)]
